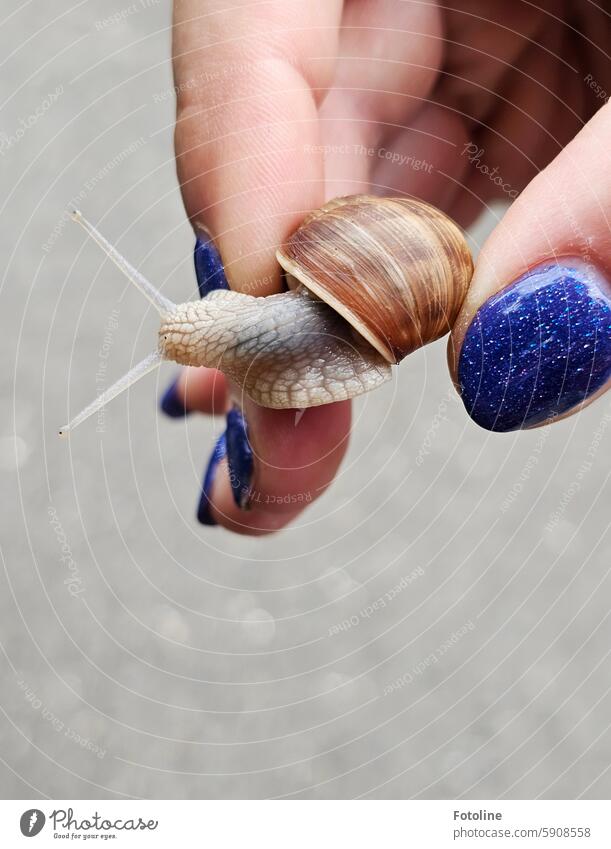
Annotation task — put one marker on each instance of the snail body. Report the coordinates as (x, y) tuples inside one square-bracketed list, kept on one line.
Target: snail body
[(373, 279), (286, 350)]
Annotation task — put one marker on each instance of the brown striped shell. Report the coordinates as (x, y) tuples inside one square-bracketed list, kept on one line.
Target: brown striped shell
[(396, 269)]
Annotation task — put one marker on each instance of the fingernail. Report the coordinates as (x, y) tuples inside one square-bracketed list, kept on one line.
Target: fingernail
[(208, 266), (239, 457), (172, 403), (539, 348), (219, 452)]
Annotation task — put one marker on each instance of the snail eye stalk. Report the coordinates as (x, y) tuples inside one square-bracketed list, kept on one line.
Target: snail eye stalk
[(162, 304), (159, 301), (152, 361)]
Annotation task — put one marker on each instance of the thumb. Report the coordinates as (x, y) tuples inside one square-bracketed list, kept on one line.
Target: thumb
[(533, 340)]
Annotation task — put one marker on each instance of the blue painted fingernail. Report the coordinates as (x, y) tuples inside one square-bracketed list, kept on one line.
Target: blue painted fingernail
[(539, 348), (208, 267), (239, 457), (219, 452), (171, 404)]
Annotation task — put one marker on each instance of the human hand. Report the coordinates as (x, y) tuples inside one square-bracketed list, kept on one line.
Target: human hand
[(282, 105)]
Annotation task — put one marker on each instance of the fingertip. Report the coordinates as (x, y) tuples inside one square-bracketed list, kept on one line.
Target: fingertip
[(172, 401), (204, 390), (239, 456), (292, 457), (204, 508), (195, 389), (208, 264), (539, 349)]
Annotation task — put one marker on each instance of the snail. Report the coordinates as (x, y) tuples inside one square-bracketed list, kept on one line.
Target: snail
[(371, 279)]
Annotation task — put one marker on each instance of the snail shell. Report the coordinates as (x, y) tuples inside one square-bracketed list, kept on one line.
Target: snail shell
[(396, 269)]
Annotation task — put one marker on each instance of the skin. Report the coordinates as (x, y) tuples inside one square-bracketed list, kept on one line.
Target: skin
[(264, 86)]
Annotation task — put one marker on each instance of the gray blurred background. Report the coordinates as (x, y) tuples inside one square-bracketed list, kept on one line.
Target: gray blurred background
[(437, 625)]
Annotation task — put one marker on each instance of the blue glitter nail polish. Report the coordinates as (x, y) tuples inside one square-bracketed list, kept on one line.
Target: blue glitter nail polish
[(171, 404), (203, 509), (239, 457), (208, 267), (538, 348)]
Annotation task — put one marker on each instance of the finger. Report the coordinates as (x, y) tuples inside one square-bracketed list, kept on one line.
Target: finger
[(531, 125), (249, 169), (201, 390), (424, 160), (533, 340), (389, 58), (273, 467), (248, 78)]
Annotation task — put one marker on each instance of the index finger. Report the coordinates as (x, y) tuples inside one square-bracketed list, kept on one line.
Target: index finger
[(249, 79), (249, 160)]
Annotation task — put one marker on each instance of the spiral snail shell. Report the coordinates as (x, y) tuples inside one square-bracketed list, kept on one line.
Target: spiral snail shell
[(396, 269), (375, 278)]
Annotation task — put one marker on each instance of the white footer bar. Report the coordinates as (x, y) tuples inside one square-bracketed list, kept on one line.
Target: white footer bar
[(307, 824)]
